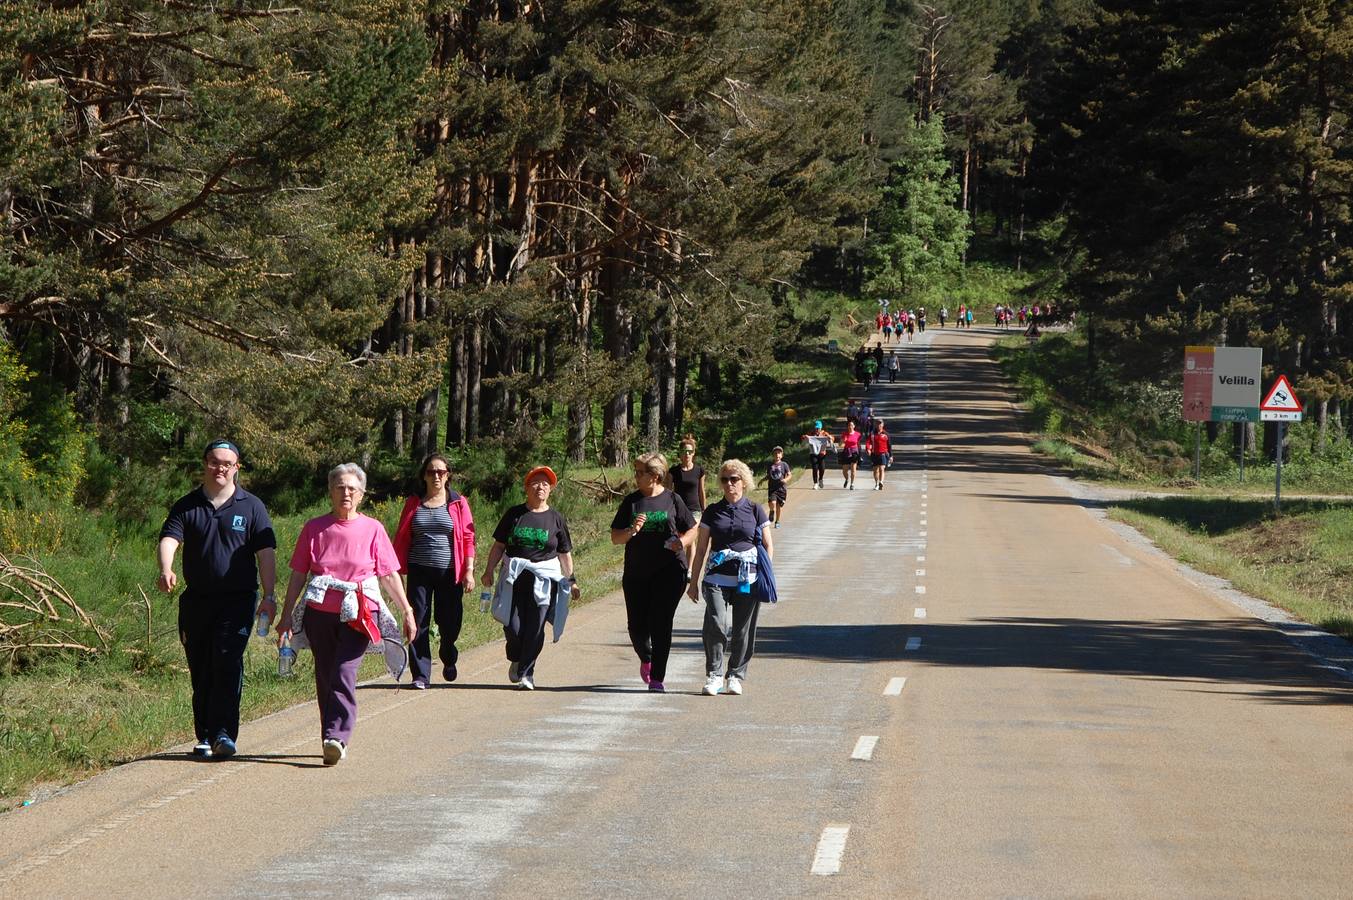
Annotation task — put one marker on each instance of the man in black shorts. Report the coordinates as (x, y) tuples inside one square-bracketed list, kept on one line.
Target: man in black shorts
[(777, 485)]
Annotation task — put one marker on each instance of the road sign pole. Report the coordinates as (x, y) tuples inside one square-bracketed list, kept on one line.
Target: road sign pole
[(1241, 443), (1278, 484), (1197, 451)]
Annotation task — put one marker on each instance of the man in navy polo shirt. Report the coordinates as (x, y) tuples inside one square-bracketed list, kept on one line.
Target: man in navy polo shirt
[(228, 546)]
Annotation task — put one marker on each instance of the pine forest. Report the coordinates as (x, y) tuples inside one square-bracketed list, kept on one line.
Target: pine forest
[(369, 229)]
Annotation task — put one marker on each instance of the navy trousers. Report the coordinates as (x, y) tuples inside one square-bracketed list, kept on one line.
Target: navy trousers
[(214, 631)]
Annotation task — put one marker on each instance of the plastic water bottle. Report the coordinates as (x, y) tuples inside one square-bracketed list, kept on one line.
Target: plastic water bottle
[(286, 658), (485, 600), (264, 620)]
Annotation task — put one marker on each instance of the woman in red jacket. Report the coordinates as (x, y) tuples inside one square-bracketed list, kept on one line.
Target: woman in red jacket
[(435, 546)]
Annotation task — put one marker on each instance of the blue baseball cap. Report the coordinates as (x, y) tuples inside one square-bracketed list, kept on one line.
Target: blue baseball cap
[(223, 445)]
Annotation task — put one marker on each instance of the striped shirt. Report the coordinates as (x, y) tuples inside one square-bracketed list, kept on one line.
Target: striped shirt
[(430, 544)]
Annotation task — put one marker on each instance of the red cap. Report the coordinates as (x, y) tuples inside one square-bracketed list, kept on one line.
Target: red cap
[(541, 470)]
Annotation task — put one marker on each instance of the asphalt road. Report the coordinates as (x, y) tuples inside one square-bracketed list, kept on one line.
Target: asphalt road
[(1039, 709)]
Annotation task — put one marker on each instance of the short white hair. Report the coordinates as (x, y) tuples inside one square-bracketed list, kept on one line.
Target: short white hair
[(352, 469)]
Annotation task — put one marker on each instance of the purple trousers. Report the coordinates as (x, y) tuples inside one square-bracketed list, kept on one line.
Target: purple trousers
[(338, 649)]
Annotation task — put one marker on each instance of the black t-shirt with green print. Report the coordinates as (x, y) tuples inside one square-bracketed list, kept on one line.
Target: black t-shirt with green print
[(666, 515), (537, 536)]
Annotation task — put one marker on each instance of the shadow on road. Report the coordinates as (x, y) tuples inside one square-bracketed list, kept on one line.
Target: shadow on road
[(1228, 651), (295, 761)]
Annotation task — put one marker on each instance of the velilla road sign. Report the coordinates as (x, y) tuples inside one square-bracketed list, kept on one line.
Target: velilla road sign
[(1281, 403), (1221, 384)]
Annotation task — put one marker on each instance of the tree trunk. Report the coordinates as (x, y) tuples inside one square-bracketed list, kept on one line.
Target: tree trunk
[(474, 372), (425, 410), (653, 391), (616, 415), (683, 368), (667, 383), (459, 378), (492, 395)]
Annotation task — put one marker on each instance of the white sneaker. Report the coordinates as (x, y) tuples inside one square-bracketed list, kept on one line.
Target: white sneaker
[(334, 751), (735, 685), (526, 684), (713, 686)]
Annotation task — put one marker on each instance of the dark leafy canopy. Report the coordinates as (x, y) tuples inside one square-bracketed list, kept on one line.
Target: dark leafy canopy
[(1203, 156), (197, 193), (382, 226)]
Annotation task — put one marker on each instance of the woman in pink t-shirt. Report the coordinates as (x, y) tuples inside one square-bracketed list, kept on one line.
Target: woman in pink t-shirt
[(849, 455), (349, 547)]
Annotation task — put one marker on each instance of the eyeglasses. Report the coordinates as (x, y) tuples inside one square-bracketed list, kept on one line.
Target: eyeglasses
[(437, 473), (223, 466), (730, 479), (347, 489)]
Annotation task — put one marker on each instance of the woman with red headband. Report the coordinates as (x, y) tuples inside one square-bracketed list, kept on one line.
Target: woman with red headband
[(533, 544)]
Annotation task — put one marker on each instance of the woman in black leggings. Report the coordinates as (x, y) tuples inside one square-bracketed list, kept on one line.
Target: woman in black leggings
[(657, 530), (819, 443)]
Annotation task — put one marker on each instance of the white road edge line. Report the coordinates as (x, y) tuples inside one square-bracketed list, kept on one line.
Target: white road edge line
[(895, 686), (920, 612), (830, 848), (864, 747)]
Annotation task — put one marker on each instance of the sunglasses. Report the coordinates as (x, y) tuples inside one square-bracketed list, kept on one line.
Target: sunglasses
[(437, 473), (730, 479)]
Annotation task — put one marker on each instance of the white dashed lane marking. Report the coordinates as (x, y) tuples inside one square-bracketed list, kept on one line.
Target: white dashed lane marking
[(830, 847), (864, 747), (913, 643), (895, 686), (920, 612)]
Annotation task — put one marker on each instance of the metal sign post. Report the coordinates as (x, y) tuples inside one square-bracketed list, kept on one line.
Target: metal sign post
[(1278, 483), (1198, 451), (1282, 406)]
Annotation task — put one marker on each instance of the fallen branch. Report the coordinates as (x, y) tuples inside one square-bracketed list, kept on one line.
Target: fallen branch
[(38, 614)]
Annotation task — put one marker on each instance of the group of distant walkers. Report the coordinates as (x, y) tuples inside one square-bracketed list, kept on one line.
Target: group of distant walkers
[(345, 596), (904, 321), (870, 361), (866, 436)]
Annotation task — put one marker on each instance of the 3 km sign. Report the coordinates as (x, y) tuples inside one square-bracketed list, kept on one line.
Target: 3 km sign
[(1221, 384)]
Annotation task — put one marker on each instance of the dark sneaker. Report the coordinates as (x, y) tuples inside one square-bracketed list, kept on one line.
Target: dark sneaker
[(644, 669), (202, 749), (514, 673), (223, 748), (656, 687), (449, 673)]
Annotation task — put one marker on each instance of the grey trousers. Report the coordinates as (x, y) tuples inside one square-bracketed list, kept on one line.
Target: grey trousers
[(730, 630)]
